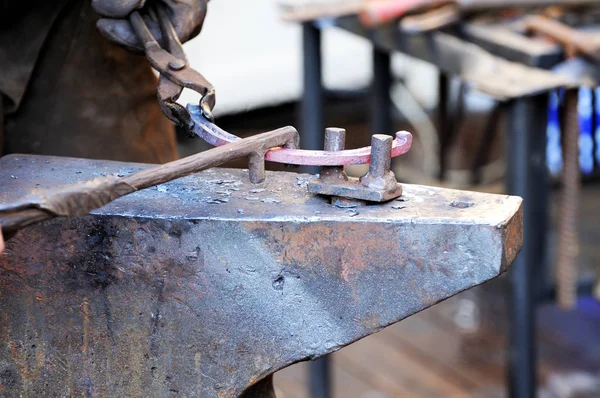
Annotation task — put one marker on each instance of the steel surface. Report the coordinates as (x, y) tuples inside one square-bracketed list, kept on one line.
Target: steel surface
[(205, 285)]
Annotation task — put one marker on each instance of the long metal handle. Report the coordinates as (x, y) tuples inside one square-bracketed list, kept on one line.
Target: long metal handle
[(482, 5), (141, 29), (169, 35), (573, 40), (81, 198), (558, 31)]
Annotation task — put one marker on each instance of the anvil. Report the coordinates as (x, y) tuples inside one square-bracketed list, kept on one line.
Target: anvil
[(207, 285)]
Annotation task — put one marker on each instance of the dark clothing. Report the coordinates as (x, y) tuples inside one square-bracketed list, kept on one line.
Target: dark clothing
[(67, 91)]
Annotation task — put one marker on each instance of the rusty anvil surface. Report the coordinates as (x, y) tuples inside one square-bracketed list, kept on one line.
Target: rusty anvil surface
[(206, 285)]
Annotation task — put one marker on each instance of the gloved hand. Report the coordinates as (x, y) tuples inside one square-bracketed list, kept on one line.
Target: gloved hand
[(1, 242), (187, 17)]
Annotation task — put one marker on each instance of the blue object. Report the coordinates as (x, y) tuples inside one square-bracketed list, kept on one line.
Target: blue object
[(554, 159), (597, 132), (586, 140), (325, 22)]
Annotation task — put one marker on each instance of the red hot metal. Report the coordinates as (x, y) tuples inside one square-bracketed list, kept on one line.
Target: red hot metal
[(214, 135)]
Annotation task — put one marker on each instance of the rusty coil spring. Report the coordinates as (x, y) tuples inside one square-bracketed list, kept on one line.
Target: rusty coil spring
[(568, 244)]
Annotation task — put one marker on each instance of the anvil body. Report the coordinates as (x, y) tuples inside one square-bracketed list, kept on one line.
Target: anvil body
[(208, 284)]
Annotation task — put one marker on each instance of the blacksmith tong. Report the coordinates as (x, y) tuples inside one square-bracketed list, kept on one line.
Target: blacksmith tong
[(175, 72)]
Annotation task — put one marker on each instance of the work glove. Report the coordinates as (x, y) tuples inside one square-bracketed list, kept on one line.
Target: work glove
[(187, 17)]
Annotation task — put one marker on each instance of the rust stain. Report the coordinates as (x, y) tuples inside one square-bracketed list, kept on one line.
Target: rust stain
[(513, 241), (4, 318), (198, 368), (345, 253), (87, 367), (226, 393), (26, 373), (371, 321), (346, 268), (85, 311)]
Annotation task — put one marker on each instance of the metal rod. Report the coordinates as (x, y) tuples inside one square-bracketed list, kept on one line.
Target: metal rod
[(335, 140), (568, 237), (442, 116), (312, 123), (381, 151), (381, 114), (289, 154), (486, 141), (312, 135), (320, 378), (1, 128), (81, 198), (526, 177)]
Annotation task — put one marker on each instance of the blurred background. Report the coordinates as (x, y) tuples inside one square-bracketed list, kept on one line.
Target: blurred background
[(459, 347)]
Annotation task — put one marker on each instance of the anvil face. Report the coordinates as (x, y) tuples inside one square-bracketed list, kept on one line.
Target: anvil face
[(210, 283)]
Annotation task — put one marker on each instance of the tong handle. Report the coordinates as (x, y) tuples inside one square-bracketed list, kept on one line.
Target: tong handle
[(141, 29), (172, 64)]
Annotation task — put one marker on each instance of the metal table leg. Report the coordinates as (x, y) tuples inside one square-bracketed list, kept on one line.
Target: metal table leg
[(381, 103), (311, 137), (320, 378), (443, 119), (526, 177), (312, 119)]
